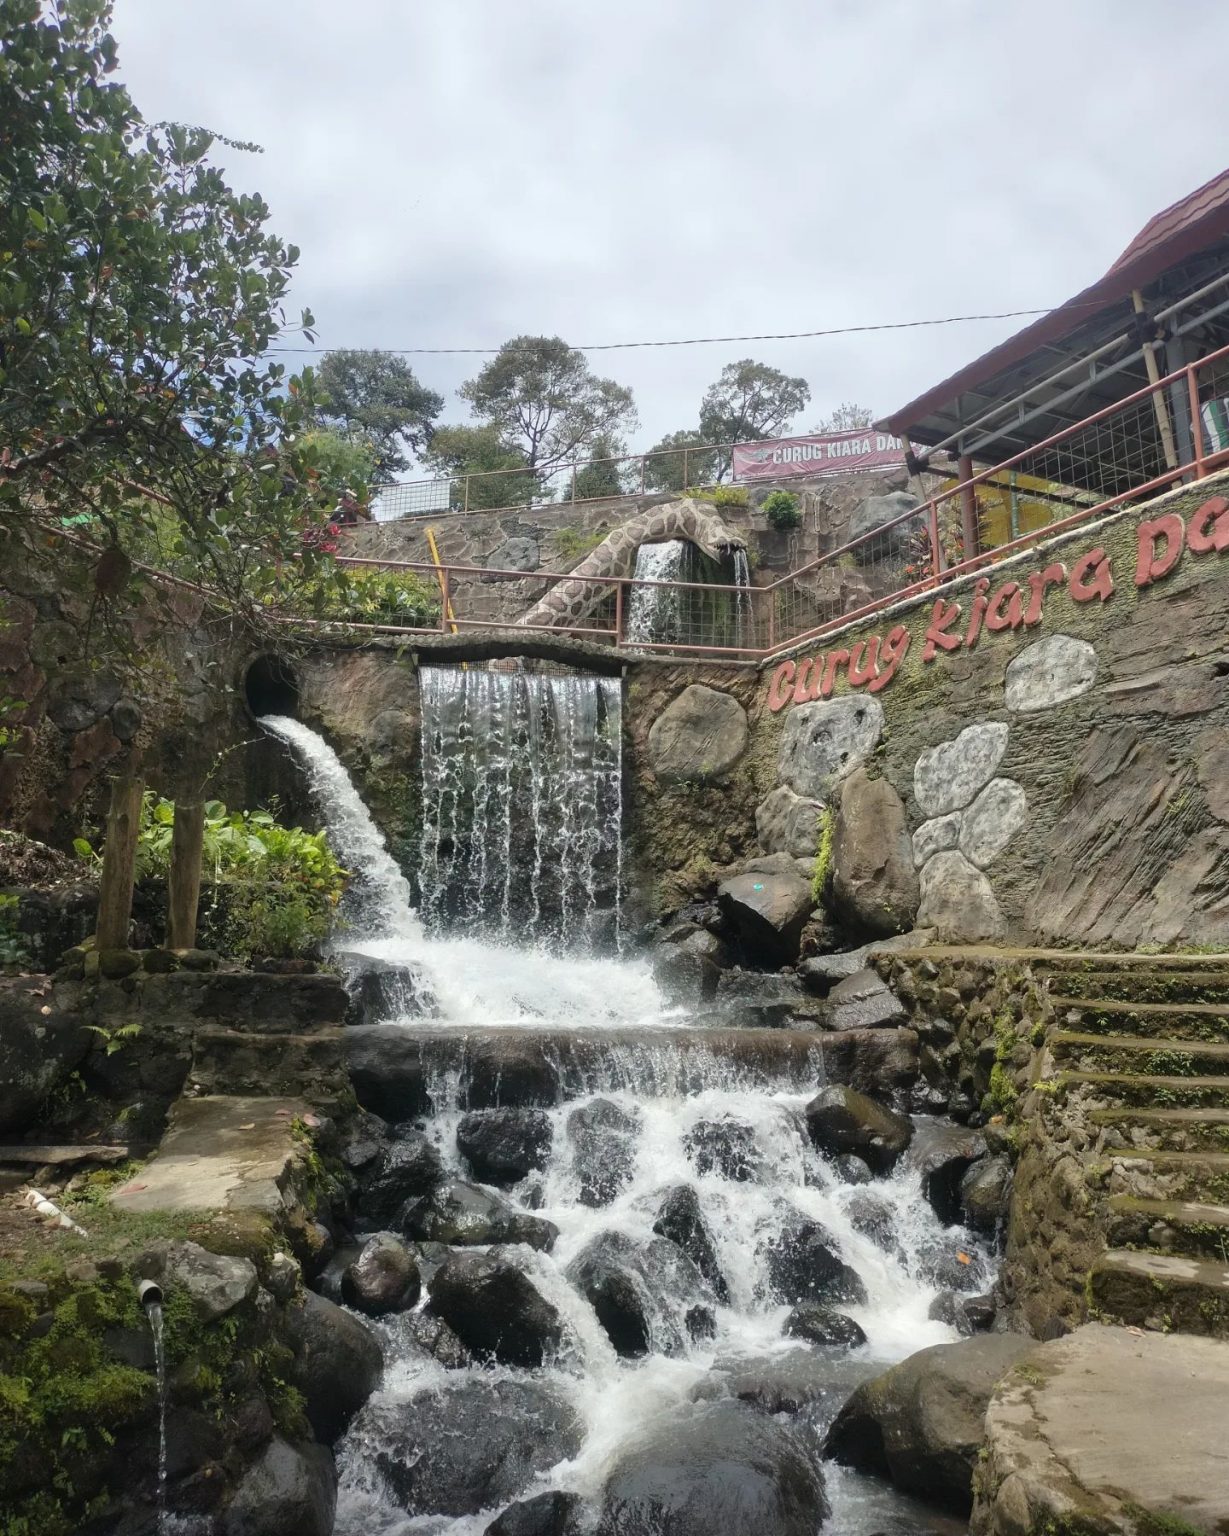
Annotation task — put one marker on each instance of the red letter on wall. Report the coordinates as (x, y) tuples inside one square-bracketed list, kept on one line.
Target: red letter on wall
[(1084, 587), (1202, 538), (781, 688), (1151, 566), (941, 620)]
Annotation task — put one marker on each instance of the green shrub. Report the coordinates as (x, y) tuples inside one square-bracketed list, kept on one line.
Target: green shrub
[(720, 495), (781, 510), (274, 887), (572, 544), (368, 594)]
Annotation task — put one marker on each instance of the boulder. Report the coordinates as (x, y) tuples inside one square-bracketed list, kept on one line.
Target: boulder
[(769, 911), (872, 1216), (549, 1514), (508, 1068), (864, 1001), (786, 1381), (824, 741), (382, 990), (645, 1295), (985, 1193), (289, 1490), (723, 1467), (879, 1061), (938, 835), (966, 1314), (383, 1278), (407, 1170), (681, 1221), (1049, 672), (469, 1445), (920, 1423), (337, 1363), (515, 554), (788, 823), (434, 1337), (698, 737), (767, 1000), (467, 1216), (503, 1146), (942, 1152), (689, 971), (803, 1265), (216, 1283), (386, 1070), (820, 972), (990, 823), (840, 1119), (80, 696), (37, 1050), (947, 777), (850, 1169), (1109, 1430), (874, 883), (603, 1140), (495, 1309), (726, 1147), (818, 1324), (870, 518), (958, 902)]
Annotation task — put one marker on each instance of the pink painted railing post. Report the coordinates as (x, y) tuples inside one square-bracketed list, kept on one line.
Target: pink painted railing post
[(936, 554)]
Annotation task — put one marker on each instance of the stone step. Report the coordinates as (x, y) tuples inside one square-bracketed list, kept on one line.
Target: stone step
[(1188, 1175), (1125, 963), (1168, 1292), (1149, 1090), (1189, 1227), (1161, 1056), (231, 1061), (1173, 986), (1206, 1022), (1173, 1130)]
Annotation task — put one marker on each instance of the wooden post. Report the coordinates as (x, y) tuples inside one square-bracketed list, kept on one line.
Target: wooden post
[(968, 508), (1164, 425), (119, 858), (187, 846)]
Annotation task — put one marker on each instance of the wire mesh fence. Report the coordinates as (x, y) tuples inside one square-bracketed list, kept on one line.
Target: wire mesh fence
[(1175, 430)]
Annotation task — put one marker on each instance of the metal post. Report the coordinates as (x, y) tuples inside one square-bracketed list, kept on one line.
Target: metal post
[(573, 485), (1192, 387), (936, 551), (642, 474), (968, 508), (618, 634), (465, 507), (686, 481)]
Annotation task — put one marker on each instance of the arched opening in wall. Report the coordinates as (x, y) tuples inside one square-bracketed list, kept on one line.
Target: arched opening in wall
[(271, 687)]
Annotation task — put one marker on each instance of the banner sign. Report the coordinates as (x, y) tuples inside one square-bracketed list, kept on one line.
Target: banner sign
[(827, 453)]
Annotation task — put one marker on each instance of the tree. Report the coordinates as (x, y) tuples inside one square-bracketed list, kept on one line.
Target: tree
[(749, 401), (490, 464), (846, 418), (139, 295), (603, 475), (540, 394), (376, 396), (668, 468)]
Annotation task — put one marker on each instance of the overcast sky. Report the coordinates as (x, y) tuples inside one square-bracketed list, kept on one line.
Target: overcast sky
[(460, 171)]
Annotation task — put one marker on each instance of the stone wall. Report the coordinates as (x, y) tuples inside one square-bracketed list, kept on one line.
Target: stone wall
[(1043, 763)]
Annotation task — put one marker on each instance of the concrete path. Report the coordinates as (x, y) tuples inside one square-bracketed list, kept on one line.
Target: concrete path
[(218, 1154)]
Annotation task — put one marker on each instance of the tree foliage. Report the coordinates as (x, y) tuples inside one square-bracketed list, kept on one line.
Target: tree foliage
[(376, 398), (139, 295), (668, 468), (847, 417), (497, 471), (541, 396), (750, 400), (603, 475)]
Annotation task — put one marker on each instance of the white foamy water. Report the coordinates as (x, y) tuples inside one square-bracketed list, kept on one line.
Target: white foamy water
[(610, 1035)]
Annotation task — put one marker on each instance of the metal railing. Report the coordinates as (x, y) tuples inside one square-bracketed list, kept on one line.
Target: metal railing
[(1126, 452)]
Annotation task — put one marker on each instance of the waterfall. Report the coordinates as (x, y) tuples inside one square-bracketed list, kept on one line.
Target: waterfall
[(522, 778), (653, 612), (377, 900), (689, 615)]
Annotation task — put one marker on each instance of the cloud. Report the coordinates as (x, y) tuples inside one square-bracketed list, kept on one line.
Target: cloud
[(457, 173)]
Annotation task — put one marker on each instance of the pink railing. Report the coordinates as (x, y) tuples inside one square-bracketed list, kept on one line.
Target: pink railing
[(1128, 451)]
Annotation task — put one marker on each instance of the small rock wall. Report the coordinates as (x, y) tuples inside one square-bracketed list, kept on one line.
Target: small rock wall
[(1060, 779)]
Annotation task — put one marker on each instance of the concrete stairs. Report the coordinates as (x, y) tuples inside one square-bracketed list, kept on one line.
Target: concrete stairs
[(1144, 1042)]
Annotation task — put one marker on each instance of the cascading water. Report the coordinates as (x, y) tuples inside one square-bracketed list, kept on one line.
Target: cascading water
[(665, 615), (653, 612), (522, 776), (719, 1112)]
